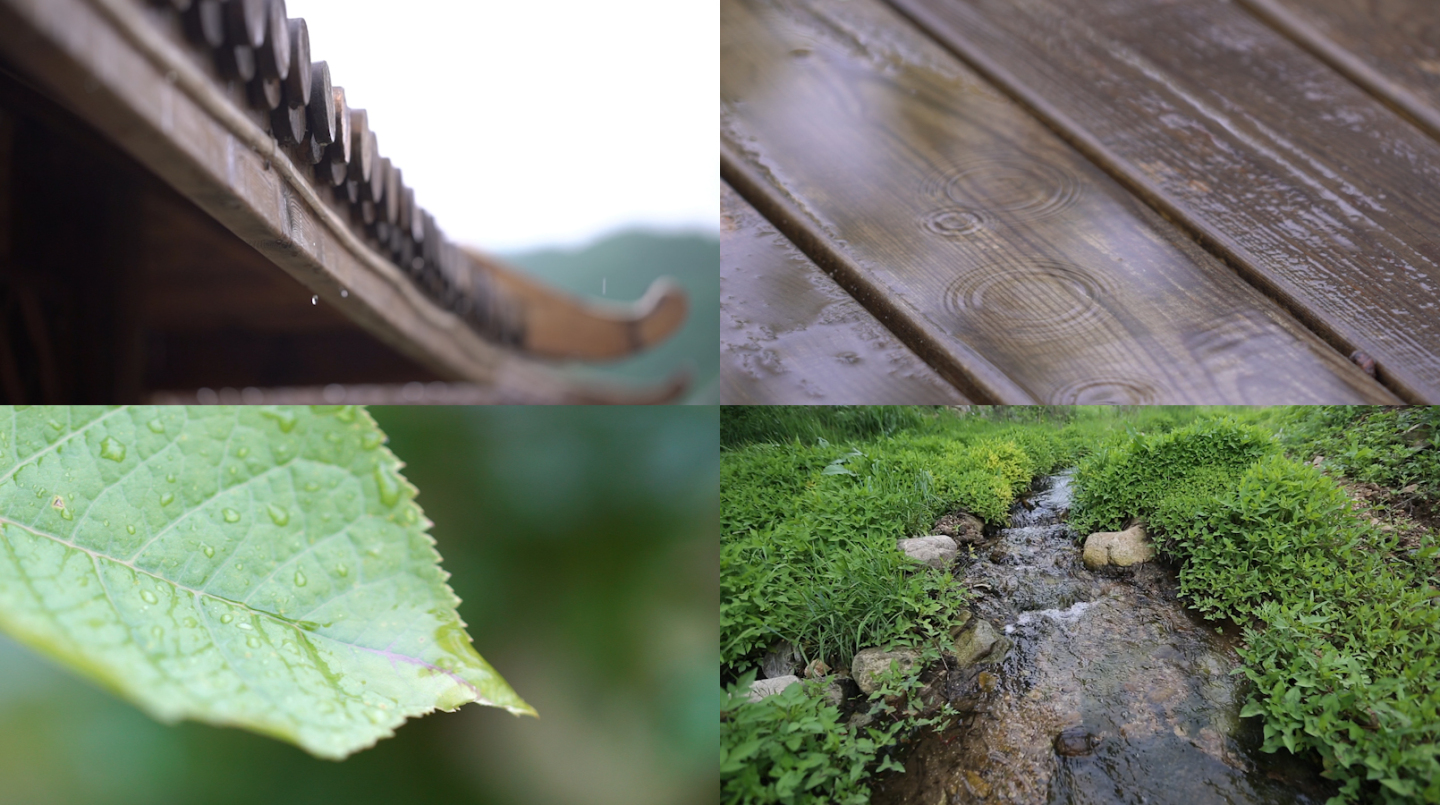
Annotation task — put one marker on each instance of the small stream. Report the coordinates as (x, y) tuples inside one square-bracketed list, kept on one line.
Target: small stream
[(1138, 689)]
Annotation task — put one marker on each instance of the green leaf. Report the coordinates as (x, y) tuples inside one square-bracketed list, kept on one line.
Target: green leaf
[(265, 568)]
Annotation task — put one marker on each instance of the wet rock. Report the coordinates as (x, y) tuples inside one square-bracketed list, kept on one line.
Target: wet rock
[(975, 642), (837, 690), (1075, 742), (781, 660), (961, 527), (871, 662), (1119, 548), (962, 619), (770, 687), (935, 551)]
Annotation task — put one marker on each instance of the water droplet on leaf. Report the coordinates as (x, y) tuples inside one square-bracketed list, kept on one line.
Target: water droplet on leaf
[(167, 498), (130, 529), (148, 596), (388, 484), (242, 452), (209, 551), (278, 514), (226, 618), (342, 570), (155, 426), (252, 641), (230, 515), (300, 580), (370, 441), (247, 627), (112, 448), (285, 419)]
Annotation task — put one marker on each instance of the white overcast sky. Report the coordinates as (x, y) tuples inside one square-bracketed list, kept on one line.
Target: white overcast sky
[(525, 124)]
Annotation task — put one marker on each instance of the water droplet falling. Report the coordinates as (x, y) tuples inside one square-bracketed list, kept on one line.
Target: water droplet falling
[(278, 514), (112, 448), (315, 300), (148, 596), (344, 294)]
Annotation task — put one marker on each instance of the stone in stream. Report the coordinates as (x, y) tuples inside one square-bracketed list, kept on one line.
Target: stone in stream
[(937, 551), (871, 662), (961, 527), (1075, 742), (770, 687), (1120, 548), (975, 642)]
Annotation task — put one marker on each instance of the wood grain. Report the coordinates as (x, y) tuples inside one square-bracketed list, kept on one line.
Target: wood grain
[(1007, 261), (1391, 48), (1309, 187), (790, 335)]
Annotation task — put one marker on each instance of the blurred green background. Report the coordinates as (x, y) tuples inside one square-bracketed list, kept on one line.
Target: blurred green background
[(621, 267), (584, 543)]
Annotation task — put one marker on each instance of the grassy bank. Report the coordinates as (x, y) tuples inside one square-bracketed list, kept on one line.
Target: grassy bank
[(1342, 627)]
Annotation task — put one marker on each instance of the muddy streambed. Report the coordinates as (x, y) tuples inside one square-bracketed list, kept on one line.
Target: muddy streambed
[(1107, 691)]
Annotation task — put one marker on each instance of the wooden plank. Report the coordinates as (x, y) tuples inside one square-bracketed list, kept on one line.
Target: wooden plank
[(971, 230), (790, 335), (1314, 191), (1391, 48)]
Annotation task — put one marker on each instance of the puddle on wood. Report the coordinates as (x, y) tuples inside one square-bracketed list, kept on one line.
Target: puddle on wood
[(1109, 691)]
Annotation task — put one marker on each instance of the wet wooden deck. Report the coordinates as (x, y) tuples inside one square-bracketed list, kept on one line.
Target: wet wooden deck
[(1080, 201)]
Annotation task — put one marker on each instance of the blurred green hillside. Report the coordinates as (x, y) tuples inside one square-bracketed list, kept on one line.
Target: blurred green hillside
[(621, 267), (584, 544)]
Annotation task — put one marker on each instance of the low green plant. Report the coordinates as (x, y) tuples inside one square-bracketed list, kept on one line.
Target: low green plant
[(792, 747), (1132, 478)]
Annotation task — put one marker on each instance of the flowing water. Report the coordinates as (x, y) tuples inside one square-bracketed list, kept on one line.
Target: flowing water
[(1104, 689)]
